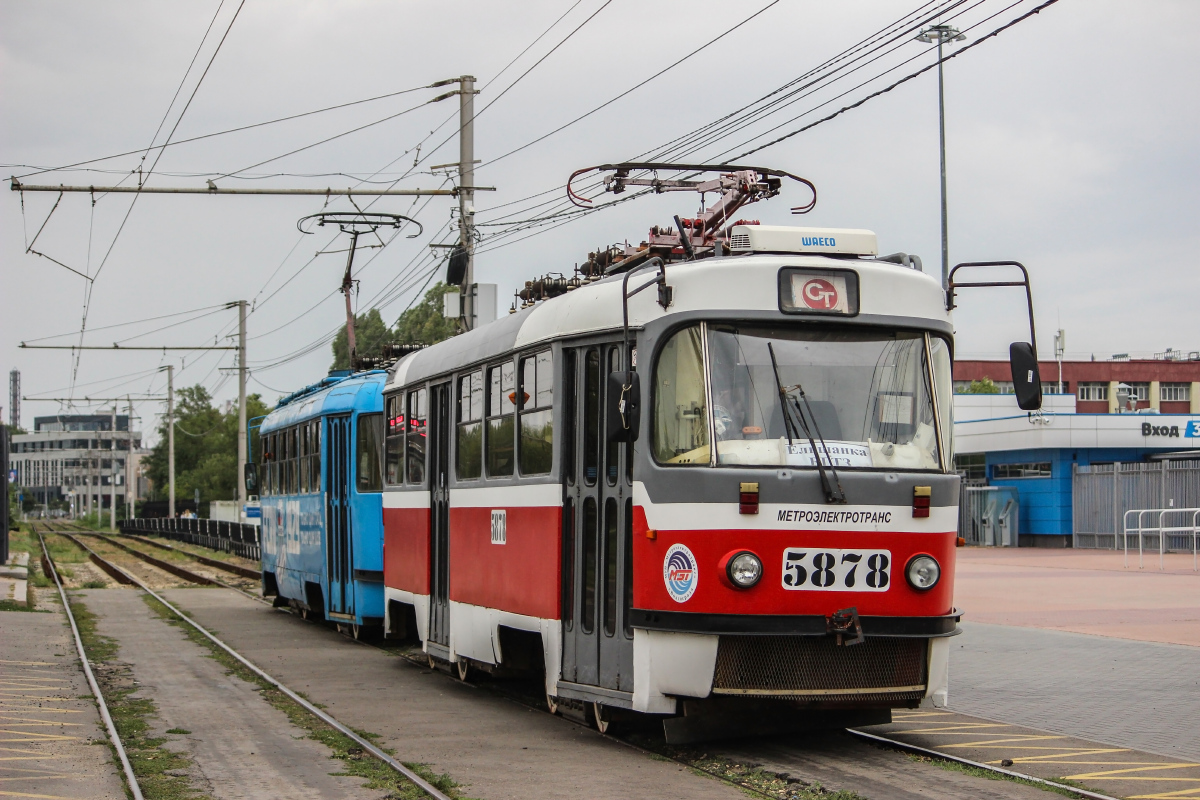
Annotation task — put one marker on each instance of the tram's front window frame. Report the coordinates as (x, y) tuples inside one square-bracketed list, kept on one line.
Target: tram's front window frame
[(691, 404)]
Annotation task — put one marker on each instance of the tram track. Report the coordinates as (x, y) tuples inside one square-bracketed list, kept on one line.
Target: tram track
[(105, 715), (520, 698), (129, 578)]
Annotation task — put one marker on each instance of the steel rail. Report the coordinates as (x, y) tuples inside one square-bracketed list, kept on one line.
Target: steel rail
[(367, 746), (912, 748), (245, 572), (165, 566), (130, 779), (170, 568)]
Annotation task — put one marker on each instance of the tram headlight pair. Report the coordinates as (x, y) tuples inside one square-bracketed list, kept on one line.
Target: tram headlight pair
[(744, 569), (922, 572)]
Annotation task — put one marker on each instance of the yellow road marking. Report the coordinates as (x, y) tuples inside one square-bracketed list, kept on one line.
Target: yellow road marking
[(952, 728), (1147, 768), (993, 742), (39, 710), (22, 722), (1166, 795), (27, 794), (45, 774), (1084, 752)]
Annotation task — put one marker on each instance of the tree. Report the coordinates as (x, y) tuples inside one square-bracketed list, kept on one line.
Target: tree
[(370, 335), (205, 446), (983, 385), (424, 323)]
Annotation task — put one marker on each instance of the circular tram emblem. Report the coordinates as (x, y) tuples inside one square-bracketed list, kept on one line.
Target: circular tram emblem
[(679, 573), (819, 294)]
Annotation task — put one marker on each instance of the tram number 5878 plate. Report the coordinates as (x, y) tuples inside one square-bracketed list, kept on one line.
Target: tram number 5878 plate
[(824, 569)]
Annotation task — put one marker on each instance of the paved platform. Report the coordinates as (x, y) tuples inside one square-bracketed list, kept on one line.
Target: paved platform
[(1083, 591), (1141, 695), (1117, 771), (241, 746), (49, 725)]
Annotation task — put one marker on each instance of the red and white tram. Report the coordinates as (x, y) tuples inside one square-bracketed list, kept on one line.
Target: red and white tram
[(735, 492)]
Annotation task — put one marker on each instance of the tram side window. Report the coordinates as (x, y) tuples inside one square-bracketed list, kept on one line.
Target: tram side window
[(680, 415), (370, 449), (293, 451), (468, 457), (537, 413), (264, 443), (302, 457), (418, 413), (314, 457), (395, 423), (501, 405)]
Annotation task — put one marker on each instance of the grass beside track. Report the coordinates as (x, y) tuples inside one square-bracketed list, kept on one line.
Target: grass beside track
[(753, 780), (161, 773), (356, 762), (966, 769)]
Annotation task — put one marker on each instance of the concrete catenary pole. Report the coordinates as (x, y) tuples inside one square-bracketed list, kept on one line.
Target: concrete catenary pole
[(940, 34), (112, 470), (130, 482), (466, 192), (171, 441), (241, 437)]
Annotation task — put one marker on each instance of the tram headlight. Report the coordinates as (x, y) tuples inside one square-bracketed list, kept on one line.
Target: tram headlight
[(922, 572), (744, 569)]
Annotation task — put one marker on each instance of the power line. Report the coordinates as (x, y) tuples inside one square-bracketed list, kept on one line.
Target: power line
[(635, 87), (903, 80), (239, 129)]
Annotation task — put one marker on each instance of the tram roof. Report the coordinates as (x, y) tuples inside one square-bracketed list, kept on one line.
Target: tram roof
[(360, 392), (722, 287)]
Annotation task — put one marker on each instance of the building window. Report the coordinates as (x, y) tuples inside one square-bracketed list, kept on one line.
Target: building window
[(1139, 391), (1051, 387), (1091, 391), (1174, 392), (972, 466), (1005, 387), (1008, 471)]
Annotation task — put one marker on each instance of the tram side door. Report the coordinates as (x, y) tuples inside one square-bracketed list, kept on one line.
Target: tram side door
[(597, 640), (439, 515), (339, 558)]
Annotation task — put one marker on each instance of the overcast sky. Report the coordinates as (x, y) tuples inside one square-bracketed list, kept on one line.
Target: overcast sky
[(1072, 147)]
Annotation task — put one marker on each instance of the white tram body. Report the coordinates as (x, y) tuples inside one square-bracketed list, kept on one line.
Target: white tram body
[(666, 571)]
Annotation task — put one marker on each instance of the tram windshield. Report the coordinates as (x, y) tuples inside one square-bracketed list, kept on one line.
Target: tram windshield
[(859, 398)]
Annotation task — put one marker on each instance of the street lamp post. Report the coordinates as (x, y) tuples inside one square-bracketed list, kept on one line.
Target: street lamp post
[(942, 34)]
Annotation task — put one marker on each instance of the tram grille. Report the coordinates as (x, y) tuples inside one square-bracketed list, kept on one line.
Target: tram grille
[(879, 668)]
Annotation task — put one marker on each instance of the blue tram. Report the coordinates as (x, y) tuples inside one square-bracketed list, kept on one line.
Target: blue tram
[(320, 482)]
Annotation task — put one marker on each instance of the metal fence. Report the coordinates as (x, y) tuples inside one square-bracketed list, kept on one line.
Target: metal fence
[(228, 537), (1102, 493), (1164, 530)]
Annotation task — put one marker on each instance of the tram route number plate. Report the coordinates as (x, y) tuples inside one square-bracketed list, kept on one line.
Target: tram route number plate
[(826, 569)]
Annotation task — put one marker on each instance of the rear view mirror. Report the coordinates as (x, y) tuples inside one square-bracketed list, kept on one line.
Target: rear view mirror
[(251, 478), (1027, 381), (624, 406)]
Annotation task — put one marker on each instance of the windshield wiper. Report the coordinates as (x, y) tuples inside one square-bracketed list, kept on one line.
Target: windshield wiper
[(831, 496)]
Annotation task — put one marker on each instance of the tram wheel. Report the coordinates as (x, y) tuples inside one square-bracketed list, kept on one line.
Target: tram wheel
[(552, 703), (464, 669), (602, 717), (305, 614), (356, 631)]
